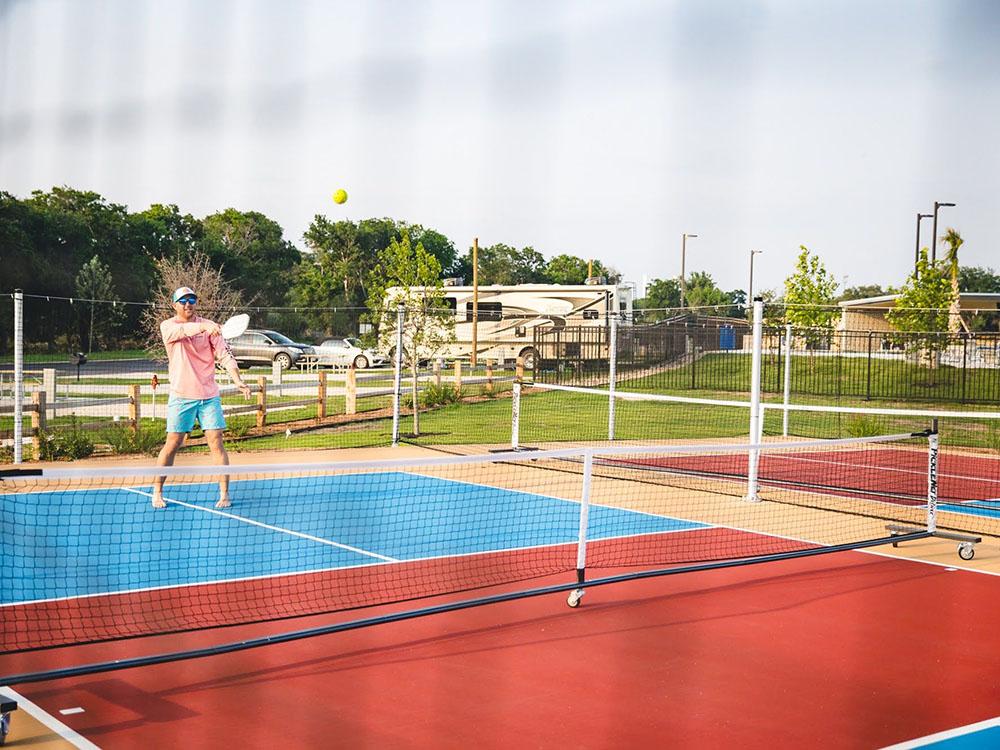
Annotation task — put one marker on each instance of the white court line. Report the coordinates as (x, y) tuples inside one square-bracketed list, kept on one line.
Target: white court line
[(279, 529), (48, 720), (945, 735)]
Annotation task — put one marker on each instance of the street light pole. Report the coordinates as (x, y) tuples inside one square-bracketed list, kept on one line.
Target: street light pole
[(934, 238), (684, 239), (916, 252), (750, 290)]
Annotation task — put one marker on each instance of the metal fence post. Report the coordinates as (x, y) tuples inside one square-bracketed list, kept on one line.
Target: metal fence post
[(515, 405), (868, 380), (755, 421), (788, 379), (612, 375), (965, 365), (397, 378)]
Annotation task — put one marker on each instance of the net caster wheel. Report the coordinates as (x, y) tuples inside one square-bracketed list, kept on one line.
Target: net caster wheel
[(574, 598), (966, 551)]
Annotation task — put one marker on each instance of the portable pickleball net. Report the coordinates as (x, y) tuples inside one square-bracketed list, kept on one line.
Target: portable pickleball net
[(86, 558)]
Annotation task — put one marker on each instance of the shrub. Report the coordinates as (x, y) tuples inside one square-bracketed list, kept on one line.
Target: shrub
[(863, 426), (239, 428), (438, 395), (123, 440), (65, 444)]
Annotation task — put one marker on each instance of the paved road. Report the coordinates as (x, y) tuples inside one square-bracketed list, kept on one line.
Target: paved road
[(93, 367)]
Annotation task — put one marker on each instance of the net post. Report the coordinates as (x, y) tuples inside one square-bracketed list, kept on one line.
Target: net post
[(755, 425), (581, 547), (788, 379), (515, 405), (612, 373), (397, 378), (18, 375), (932, 477)]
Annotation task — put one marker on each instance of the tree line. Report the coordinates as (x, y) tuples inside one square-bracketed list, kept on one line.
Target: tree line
[(76, 244), (69, 243)]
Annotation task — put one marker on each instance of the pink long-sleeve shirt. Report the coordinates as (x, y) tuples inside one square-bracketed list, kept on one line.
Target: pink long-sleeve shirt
[(191, 354)]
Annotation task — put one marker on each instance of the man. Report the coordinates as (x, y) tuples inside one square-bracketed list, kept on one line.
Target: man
[(193, 346)]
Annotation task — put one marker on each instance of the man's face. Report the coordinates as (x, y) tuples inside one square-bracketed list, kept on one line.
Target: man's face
[(185, 306)]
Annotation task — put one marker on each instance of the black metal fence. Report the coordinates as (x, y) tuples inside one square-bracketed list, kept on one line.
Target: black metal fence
[(713, 354)]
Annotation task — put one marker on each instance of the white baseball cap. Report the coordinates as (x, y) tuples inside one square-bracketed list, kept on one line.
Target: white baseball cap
[(183, 292)]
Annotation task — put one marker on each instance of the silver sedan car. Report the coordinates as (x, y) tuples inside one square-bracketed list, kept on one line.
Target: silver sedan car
[(346, 352)]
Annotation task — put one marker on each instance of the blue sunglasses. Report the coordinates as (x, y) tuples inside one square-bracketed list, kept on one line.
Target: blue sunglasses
[(189, 300)]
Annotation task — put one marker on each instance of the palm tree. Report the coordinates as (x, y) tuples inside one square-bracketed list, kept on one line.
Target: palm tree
[(954, 241)]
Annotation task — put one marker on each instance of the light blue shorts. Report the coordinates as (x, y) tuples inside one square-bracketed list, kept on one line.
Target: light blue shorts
[(182, 413)]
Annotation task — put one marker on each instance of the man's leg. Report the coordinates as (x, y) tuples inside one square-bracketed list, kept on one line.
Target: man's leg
[(166, 458), (221, 458)]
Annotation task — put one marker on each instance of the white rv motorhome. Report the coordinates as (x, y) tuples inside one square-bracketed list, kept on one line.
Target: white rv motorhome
[(509, 315)]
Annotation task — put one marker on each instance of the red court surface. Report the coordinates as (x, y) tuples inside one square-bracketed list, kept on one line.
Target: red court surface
[(842, 650), (887, 474)]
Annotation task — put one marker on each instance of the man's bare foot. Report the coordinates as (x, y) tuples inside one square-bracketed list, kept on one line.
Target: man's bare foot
[(158, 501), (223, 503)]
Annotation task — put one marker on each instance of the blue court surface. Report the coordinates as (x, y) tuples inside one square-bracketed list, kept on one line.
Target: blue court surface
[(984, 508), (75, 543), (982, 736)]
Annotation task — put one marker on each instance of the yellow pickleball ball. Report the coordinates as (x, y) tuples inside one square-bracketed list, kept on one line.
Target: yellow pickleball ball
[(340, 196)]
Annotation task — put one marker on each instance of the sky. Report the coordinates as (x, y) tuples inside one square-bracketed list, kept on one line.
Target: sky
[(601, 129)]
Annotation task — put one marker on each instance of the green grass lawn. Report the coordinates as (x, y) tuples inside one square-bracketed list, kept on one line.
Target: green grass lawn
[(832, 377), (554, 417)]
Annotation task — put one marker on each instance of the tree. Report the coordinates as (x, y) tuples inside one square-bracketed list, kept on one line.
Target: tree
[(164, 232), (505, 265), (93, 283), (249, 247), (921, 310), (954, 241), (566, 269), (69, 228), (217, 298), (434, 242), (662, 295), (976, 279), (702, 291), (335, 273), (410, 276), (569, 269), (862, 291), (737, 303), (809, 298)]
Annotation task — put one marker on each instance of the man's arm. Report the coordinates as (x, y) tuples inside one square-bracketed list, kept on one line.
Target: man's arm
[(224, 356), (172, 330)]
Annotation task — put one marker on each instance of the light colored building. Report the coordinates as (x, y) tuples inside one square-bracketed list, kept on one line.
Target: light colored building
[(869, 315)]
